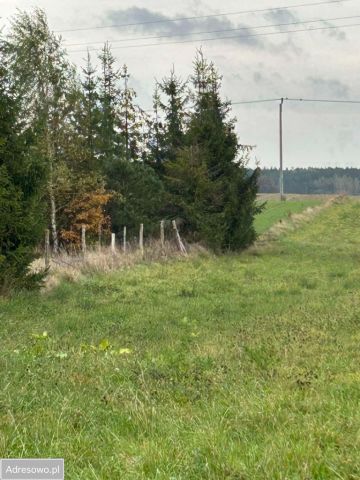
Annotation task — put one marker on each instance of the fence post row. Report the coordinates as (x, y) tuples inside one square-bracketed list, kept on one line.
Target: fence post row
[(179, 241)]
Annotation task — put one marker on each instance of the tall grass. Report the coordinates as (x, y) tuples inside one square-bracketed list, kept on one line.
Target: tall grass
[(72, 266), (233, 367)]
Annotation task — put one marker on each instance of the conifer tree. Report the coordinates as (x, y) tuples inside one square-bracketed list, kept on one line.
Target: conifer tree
[(222, 199), (174, 108), (89, 108), (90, 137), (131, 120), (21, 182), (156, 134), (111, 145)]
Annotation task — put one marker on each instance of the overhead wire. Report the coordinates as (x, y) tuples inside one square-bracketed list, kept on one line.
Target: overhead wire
[(176, 35), (318, 100), (232, 37), (197, 17), (322, 100)]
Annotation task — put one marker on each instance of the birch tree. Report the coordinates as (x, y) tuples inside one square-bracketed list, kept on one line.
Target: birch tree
[(44, 79)]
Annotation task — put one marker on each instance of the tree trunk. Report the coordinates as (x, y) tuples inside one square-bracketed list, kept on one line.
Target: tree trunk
[(52, 202), (53, 218)]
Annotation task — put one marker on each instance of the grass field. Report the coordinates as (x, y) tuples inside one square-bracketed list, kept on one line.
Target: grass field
[(276, 210), (239, 367)]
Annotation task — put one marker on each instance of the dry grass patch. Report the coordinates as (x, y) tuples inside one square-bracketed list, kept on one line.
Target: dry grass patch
[(75, 266)]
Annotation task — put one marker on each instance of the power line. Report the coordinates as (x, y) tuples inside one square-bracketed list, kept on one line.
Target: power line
[(217, 31), (320, 100), (256, 101), (270, 100), (237, 103), (231, 37), (169, 20)]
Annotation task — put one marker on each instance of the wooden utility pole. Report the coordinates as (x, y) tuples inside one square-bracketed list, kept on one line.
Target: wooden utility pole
[(282, 197)]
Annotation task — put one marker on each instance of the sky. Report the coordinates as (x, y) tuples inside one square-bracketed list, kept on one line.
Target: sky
[(321, 64)]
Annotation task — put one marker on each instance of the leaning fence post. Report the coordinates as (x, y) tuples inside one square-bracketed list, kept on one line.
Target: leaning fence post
[(124, 240), (141, 239), (47, 248), (179, 242), (83, 239), (162, 234), (113, 246)]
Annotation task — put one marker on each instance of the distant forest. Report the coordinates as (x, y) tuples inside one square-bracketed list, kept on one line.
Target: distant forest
[(312, 181)]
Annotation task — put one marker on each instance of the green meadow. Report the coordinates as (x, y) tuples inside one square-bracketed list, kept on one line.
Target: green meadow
[(240, 367), (276, 210)]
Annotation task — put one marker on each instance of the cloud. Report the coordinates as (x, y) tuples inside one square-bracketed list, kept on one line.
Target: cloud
[(258, 77), (333, 87), (284, 16), (281, 16), (156, 23), (335, 32)]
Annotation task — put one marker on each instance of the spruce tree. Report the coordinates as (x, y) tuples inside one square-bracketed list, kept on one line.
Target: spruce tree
[(111, 145), (89, 110), (21, 181), (174, 108), (132, 120), (156, 134), (221, 204)]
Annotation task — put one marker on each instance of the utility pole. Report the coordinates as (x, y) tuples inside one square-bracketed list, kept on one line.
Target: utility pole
[(282, 196)]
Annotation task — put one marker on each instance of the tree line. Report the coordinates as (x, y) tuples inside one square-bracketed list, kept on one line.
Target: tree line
[(312, 181), (77, 149)]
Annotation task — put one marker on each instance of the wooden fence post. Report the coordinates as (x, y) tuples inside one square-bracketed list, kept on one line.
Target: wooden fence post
[(179, 242), (100, 236), (124, 240), (83, 239), (162, 234), (47, 248), (141, 239), (113, 244)]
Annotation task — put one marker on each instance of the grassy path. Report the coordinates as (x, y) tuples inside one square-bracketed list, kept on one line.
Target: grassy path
[(240, 367)]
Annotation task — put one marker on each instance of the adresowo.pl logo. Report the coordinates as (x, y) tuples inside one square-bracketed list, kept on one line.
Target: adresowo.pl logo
[(31, 469)]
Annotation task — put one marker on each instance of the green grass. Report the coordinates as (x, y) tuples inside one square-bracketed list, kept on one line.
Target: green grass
[(241, 367), (276, 210)]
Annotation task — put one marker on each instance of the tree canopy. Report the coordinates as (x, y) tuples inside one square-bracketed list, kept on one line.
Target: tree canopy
[(77, 148)]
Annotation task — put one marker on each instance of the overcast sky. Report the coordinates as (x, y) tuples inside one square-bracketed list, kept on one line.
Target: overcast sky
[(318, 64)]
